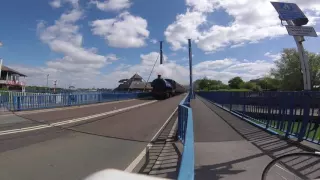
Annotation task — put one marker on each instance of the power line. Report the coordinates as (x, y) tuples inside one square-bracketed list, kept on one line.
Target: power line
[(151, 72)]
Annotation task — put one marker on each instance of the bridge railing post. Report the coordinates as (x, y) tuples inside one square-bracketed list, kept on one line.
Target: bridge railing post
[(179, 121), (306, 115), (269, 110), (291, 117), (18, 103)]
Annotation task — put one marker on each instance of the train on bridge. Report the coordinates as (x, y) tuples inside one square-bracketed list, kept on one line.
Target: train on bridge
[(166, 88)]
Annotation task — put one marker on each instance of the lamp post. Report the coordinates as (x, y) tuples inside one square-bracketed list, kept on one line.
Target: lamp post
[(1, 44), (55, 85), (47, 82)]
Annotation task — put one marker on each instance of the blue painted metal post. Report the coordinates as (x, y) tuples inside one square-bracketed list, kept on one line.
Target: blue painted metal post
[(230, 100), (289, 126), (100, 97), (179, 122), (69, 100), (306, 116), (13, 103), (190, 69), (18, 103)]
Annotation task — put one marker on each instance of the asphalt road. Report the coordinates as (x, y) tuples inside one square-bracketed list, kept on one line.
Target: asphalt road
[(26, 119), (77, 150), (228, 148)]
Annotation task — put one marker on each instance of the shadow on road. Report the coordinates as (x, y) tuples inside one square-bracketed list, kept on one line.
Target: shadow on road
[(163, 157), (271, 145)]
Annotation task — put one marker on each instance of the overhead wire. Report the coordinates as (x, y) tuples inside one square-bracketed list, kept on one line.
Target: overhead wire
[(151, 72)]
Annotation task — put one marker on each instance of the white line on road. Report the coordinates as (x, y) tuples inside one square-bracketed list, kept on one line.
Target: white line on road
[(64, 108), (33, 128), (136, 161)]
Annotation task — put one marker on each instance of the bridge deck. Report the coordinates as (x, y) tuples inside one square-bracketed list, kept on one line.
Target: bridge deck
[(227, 147), (76, 150)]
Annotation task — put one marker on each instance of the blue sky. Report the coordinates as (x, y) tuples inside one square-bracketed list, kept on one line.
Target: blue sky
[(96, 43)]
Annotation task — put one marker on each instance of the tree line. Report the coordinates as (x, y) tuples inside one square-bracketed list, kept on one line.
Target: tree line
[(286, 76)]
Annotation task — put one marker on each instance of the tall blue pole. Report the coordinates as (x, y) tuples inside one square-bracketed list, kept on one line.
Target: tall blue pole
[(161, 53), (190, 67)]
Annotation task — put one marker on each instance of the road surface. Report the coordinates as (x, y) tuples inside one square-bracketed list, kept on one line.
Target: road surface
[(76, 150)]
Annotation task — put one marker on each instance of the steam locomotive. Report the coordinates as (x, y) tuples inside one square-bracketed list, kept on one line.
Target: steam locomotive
[(165, 88)]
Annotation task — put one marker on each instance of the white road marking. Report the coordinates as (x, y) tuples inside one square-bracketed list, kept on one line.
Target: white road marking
[(64, 108), (136, 161), (33, 128)]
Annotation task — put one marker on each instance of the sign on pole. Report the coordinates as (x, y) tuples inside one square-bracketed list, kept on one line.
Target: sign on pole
[(288, 11), (301, 31), (295, 19)]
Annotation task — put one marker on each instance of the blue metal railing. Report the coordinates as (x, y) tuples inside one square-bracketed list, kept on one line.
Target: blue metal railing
[(185, 134), (29, 102), (291, 114), (4, 102)]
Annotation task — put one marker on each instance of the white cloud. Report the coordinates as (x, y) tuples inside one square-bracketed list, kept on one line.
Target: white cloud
[(112, 5), (253, 22), (151, 58), (185, 27), (124, 31), (168, 70), (223, 70), (202, 5), (63, 37), (218, 37), (274, 57), (214, 65), (122, 67), (86, 76), (78, 65), (58, 3), (55, 3), (226, 69), (256, 68), (112, 57), (76, 54), (153, 41)]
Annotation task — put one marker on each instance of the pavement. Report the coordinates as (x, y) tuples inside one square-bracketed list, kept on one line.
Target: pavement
[(229, 148), (74, 151)]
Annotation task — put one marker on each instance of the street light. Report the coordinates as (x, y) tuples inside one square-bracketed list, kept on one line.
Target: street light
[(47, 82)]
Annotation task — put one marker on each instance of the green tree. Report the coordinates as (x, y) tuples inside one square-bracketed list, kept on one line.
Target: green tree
[(209, 85), (288, 70), (203, 84), (268, 83), (235, 82), (248, 85)]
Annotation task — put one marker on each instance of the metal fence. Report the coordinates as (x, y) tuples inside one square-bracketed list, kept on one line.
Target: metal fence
[(291, 114), (185, 134), (42, 101), (6, 98), (4, 102)]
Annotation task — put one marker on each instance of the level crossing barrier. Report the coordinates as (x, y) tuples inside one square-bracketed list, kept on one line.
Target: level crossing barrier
[(42, 101), (186, 136), (291, 114)]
